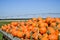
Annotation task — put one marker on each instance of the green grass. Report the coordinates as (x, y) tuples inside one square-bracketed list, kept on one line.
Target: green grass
[(1, 35), (2, 23)]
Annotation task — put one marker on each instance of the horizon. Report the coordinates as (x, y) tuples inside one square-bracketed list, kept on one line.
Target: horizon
[(43, 15)]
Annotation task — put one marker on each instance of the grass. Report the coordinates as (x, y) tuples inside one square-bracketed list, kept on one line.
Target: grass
[(2, 23), (1, 35)]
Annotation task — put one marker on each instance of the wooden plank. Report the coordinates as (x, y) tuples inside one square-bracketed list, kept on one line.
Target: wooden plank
[(8, 36)]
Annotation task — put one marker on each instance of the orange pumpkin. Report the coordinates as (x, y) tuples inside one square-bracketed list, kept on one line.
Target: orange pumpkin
[(53, 37), (51, 30), (43, 30)]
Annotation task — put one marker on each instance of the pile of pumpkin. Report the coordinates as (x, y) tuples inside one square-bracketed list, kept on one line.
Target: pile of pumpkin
[(35, 29)]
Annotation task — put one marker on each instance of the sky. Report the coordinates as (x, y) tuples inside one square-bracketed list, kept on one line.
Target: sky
[(29, 8)]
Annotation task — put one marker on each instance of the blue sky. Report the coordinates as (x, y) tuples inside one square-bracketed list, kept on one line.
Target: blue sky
[(27, 8)]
